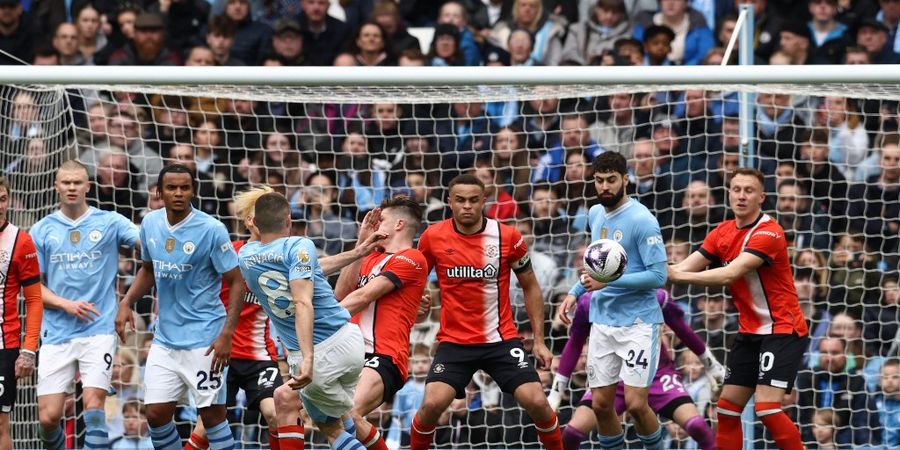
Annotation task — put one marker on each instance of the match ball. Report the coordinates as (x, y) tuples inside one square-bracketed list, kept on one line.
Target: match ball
[(605, 260)]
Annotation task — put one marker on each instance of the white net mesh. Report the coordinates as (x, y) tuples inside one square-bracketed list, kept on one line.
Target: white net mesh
[(335, 152)]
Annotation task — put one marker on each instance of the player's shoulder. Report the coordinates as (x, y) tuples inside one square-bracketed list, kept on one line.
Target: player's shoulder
[(411, 256), (206, 220), (45, 223), (637, 210), (154, 217), (438, 228), (769, 224), (596, 210)]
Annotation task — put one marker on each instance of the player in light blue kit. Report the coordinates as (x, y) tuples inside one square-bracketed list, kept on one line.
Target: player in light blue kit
[(186, 254), (78, 252), (325, 351), (625, 315)]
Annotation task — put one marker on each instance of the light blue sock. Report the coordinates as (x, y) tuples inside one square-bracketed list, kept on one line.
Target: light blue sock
[(616, 442), (350, 426), (347, 442), (165, 437), (653, 441), (53, 439), (96, 435), (220, 437)]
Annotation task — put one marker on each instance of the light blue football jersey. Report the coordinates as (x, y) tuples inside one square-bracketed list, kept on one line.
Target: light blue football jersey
[(80, 260), (268, 270), (634, 227), (189, 259)]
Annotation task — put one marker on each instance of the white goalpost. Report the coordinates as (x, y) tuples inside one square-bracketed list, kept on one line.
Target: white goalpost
[(337, 140)]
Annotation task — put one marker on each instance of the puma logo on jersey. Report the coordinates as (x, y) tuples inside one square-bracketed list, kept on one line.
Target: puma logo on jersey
[(487, 271)]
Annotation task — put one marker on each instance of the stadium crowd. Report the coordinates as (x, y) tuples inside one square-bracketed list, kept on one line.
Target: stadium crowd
[(832, 163)]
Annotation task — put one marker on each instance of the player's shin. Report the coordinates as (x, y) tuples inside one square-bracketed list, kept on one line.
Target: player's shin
[(420, 435), (784, 431), (700, 432), (729, 435), (165, 437), (373, 440), (196, 442), (96, 434), (53, 439), (291, 437), (548, 433), (572, 438), (220, 437)]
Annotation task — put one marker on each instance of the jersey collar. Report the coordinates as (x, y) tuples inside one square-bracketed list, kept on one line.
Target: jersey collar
[(751, 225), (178, 225), (74, 222), (484, 221), (618, 210)]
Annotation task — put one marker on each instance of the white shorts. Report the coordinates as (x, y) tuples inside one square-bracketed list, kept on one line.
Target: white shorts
[(630, 354), (337, 364), (90, 356), (170, 374)]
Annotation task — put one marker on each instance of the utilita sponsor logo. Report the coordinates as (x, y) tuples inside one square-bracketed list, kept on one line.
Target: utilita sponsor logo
[(488, 271)]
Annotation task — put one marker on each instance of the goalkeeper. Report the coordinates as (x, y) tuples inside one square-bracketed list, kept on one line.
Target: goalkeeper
[(667, 396)]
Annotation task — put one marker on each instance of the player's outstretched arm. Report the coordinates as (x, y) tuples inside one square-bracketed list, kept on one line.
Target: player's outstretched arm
[(695, 262), (349, 276), (332, 264), (360, 299), (722, 276), (222, 344), (653, 277), (85, 311), (534, 307), (143, 281), (301, 294)]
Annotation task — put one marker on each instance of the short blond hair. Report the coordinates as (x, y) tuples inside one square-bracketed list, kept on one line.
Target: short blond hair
[(244, 202), (4, 184)]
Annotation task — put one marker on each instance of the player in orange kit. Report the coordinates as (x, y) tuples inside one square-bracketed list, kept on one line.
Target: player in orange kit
[(383, 292), (473, 257), (773, 333), (19, 270)]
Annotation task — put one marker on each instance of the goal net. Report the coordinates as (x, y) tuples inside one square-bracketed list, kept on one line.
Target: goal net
[(829, 152)]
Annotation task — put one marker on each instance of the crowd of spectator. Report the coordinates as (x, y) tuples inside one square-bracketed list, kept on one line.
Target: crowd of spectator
[(832, 163)]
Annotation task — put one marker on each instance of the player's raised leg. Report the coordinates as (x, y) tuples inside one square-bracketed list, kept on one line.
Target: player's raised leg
[(579, 428), (369, 396)]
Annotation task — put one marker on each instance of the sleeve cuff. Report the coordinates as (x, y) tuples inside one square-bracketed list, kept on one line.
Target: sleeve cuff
[(762, 255), (524, 268), (712, 258), (30, 281), (394, 279)]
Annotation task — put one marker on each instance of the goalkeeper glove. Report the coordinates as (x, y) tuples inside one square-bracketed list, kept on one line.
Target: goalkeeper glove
[(560, 383), (714, 370)]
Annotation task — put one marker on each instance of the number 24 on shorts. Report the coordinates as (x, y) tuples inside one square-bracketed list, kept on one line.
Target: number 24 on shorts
[(639, 360)]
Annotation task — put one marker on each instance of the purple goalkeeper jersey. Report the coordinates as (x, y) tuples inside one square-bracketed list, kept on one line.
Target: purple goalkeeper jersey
[(666, 386)]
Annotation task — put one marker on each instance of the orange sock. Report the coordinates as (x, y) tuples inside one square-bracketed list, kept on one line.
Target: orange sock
[(273, 439), (291, 437), (420, 435), (785, 433), (548, 433), (196, 442), (373, 440), (729, 435)]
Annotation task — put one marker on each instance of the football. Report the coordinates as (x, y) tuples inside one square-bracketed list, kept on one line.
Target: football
[(605, 260)]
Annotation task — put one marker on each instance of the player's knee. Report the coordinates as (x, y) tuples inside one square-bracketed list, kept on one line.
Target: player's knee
[(49, 417), (286, 398), (635, 406), (157, 417), (602, 404)]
